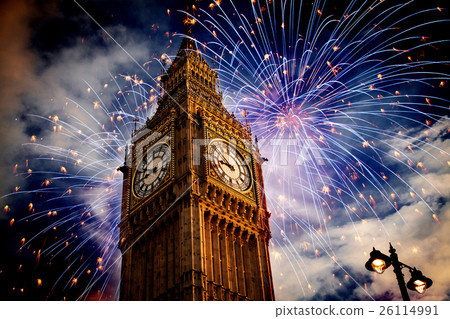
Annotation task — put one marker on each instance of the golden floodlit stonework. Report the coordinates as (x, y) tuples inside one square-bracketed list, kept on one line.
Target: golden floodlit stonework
[(194, 221)]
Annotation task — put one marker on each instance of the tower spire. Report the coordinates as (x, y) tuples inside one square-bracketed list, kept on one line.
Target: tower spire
[(188, 21), (188, 43), (247, 125)]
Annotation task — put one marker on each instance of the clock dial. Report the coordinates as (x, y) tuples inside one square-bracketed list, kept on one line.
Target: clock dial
[(229, 165), (151, 170)]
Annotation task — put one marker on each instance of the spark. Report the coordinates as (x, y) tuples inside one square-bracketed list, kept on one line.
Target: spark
[(190, 21), (436, 218)]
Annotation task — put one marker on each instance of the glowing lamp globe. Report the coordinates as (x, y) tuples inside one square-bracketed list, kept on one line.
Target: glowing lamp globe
[(420, 286), (379, 265), (419, 282), (378, 261)]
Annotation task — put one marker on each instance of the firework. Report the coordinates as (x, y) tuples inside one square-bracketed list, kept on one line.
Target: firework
[(74, 190)]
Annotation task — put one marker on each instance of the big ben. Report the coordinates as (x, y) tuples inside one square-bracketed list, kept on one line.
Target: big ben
[(194, 220)]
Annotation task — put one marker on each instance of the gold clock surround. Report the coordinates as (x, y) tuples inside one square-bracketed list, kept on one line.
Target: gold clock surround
[(147, 179), (229, 165)]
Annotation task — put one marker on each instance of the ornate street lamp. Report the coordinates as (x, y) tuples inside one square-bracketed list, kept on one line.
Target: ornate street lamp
[(378, 262)]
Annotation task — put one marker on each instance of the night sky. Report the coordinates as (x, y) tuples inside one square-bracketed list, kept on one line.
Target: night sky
[(75, 74)]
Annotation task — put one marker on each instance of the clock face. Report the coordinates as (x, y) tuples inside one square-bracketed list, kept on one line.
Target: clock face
[(151, 170), (229, 165)]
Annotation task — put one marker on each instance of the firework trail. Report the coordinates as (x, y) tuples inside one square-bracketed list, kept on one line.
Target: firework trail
[(337, 98), (74, 193)]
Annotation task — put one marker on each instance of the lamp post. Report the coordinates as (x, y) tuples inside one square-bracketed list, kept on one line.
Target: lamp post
[(378, 262)]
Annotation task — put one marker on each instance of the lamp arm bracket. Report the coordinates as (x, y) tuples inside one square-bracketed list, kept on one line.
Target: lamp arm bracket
[(402, 265)]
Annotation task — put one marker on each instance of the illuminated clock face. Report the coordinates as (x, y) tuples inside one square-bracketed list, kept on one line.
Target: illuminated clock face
[(229, 165), (151, 170)]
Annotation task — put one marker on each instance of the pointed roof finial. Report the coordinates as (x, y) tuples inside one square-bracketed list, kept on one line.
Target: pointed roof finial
[(188, 43), (249, 129), (135, 120), (256, 143), (189, 20)]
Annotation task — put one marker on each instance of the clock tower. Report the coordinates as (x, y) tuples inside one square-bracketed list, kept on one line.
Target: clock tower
[(194, 220)]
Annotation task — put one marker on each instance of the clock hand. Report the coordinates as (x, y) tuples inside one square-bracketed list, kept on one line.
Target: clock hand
[(152, 171), (231, 167), (226, 160)]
